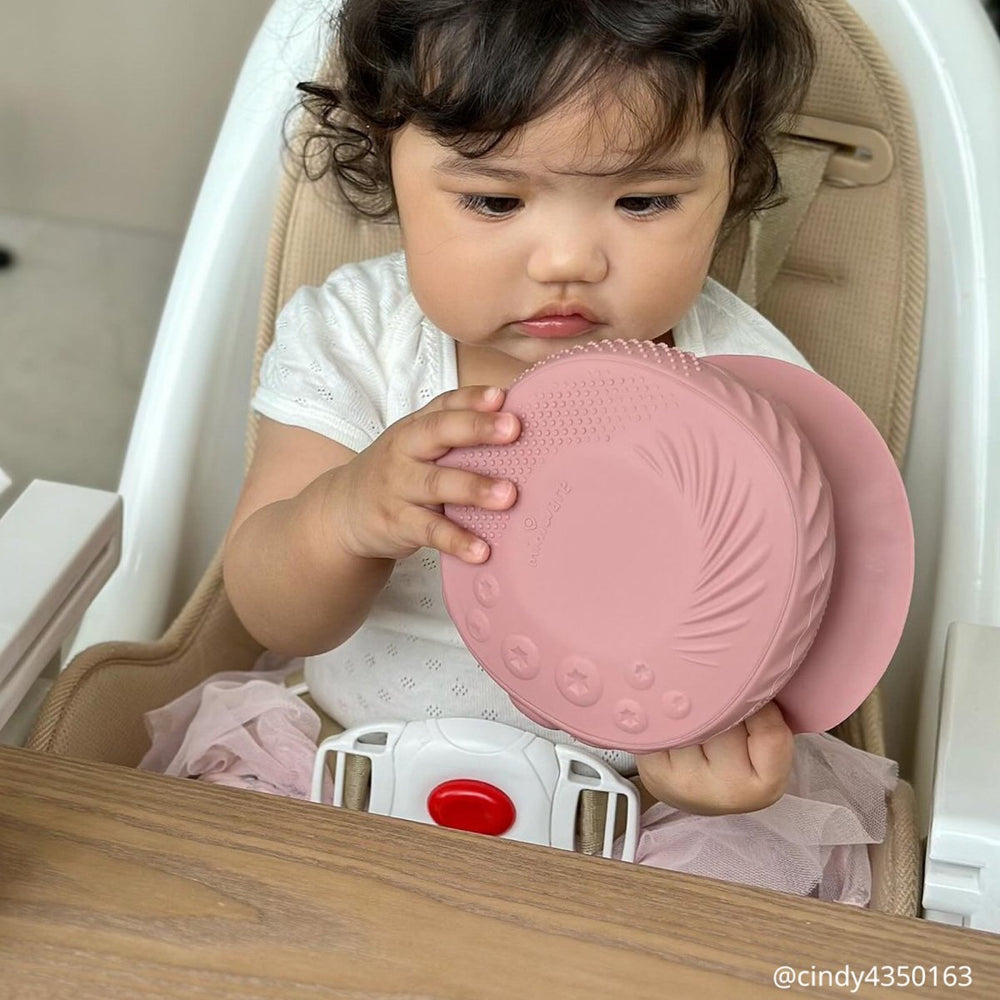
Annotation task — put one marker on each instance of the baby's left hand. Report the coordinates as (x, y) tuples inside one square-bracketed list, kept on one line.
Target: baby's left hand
[(741, 770)]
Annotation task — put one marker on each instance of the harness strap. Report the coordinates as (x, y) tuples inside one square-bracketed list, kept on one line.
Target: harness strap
[(802, 165)]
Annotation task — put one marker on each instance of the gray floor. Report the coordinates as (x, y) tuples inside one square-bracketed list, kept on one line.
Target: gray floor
[(78, 315)]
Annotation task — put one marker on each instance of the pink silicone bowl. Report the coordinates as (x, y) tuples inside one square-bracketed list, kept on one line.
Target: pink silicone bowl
[(675, 554)]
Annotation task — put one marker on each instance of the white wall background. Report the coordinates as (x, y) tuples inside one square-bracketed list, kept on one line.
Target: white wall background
[(109, 108)]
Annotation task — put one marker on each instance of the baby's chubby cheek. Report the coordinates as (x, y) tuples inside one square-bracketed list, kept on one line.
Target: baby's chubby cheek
[(453, 301)]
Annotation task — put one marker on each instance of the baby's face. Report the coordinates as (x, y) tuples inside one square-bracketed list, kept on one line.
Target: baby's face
[(548, 243)]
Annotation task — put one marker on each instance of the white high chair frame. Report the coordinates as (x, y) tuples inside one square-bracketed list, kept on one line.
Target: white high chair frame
[(185, 458)]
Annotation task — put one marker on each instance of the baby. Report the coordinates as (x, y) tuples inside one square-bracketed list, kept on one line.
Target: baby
[(561, 173)]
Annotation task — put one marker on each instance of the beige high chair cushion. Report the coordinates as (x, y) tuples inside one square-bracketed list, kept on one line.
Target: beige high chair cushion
[(840, 270)]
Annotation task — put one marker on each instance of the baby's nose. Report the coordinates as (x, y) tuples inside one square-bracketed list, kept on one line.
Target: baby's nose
[(568, 253)]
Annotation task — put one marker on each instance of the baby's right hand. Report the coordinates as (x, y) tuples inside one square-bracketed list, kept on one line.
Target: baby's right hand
[(387, 501)]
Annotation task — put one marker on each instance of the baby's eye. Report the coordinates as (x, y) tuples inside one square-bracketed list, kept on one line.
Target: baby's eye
[(492, 206), (649, 204)]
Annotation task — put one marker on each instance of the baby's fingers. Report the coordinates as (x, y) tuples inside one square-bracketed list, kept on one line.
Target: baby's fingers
[(426, 527), (437, 485), (770, 744), (459, 419), (437, 432), (470, 397)]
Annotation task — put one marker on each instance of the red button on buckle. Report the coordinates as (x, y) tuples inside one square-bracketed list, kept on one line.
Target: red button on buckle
[(466, 804)]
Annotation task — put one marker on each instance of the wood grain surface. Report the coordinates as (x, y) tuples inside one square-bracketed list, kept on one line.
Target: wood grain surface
[(117, 884)]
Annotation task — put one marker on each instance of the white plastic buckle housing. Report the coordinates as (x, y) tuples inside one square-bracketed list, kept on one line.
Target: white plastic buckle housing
[(542, 779)]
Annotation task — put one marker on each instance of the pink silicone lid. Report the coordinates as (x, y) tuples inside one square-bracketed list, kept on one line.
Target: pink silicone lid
[(666, 568)]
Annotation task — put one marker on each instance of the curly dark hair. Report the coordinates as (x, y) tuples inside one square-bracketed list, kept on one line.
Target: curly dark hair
[(472, 72)]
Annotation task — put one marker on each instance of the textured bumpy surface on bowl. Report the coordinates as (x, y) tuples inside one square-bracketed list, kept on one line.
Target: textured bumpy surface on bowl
[(668, 561)]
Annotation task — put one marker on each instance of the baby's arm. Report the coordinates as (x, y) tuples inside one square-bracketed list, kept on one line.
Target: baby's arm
[(741, 770), (318, 527)]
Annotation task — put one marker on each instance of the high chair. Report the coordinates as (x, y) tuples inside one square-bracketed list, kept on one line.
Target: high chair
[(878, 267)]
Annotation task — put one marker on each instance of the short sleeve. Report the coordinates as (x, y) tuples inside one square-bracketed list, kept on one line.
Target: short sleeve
[(323, 370)]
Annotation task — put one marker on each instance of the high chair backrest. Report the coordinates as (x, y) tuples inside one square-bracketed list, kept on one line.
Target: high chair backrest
[(840, 269)]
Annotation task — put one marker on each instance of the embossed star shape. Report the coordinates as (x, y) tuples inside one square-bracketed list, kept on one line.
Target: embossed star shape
[(641, 673), (628, 719)]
